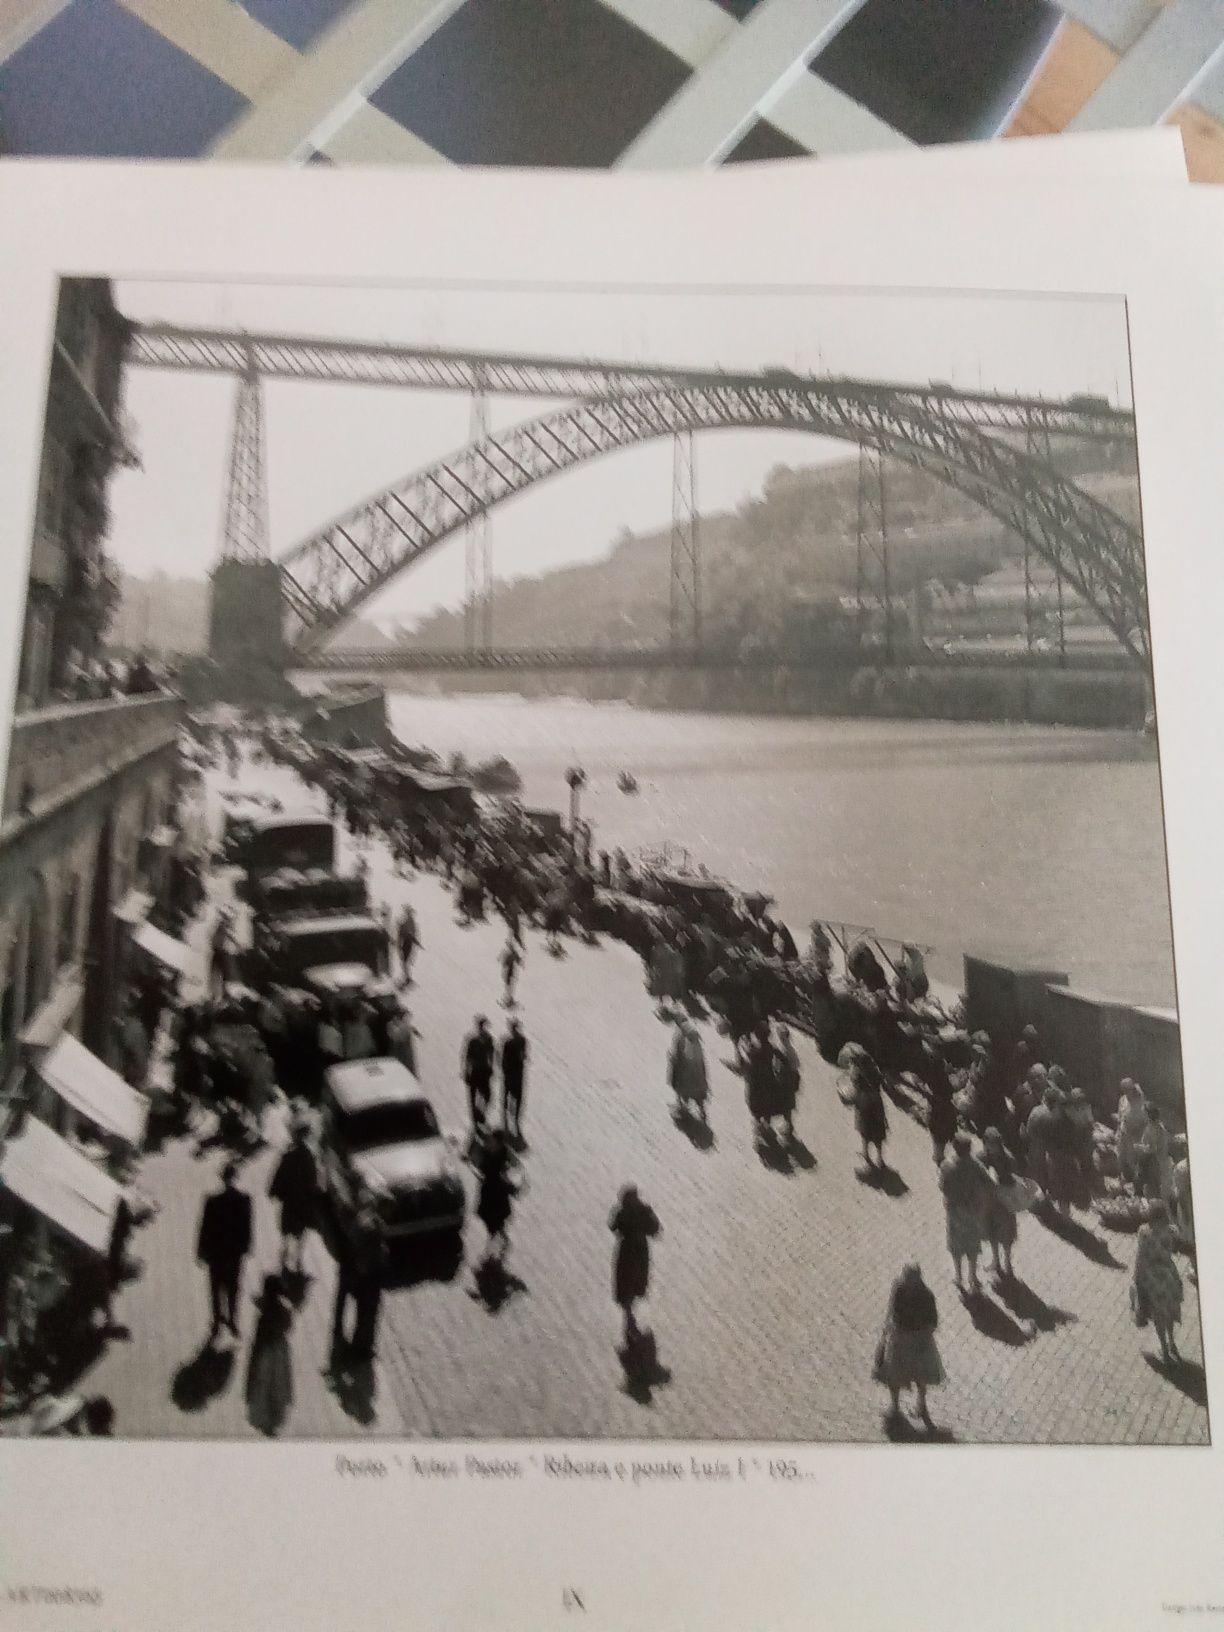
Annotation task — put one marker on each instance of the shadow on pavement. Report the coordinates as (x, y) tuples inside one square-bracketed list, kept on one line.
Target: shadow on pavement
[(801, 1155), (424, 1259), (1025, 1304), (783, 1153), (884, 1178), (412, 1260), (993, 1321), (901, 1431), (639, 1358), (203, 1377), (493, 1285), (698, 1133), (1078, 1236), (354, 1384), (1187, 1376)]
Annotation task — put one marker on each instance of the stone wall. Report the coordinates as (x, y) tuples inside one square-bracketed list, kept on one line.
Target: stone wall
[(1098, 1041)]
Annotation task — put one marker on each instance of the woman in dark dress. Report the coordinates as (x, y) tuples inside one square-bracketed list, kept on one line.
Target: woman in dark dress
[(295, 1185), (870, 1115), (633, 1222), (497, 1191), (906, 1354), (761, 1078), (943, 1120), (269, 1379), (1003, 1204)]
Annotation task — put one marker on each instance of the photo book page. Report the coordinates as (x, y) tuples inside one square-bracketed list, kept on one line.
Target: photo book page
[(609, 898)]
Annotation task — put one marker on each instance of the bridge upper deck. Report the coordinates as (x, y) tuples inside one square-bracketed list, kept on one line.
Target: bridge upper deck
[(352, 362)]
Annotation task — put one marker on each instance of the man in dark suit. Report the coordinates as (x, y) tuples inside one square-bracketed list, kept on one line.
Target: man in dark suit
[(513, 1067), (224, 1241), (478, 1055)]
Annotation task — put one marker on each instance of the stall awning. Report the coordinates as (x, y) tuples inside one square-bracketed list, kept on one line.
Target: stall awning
[(48, 1021), (134, 908), (176, 955), (46, 1173), (92, 1088)]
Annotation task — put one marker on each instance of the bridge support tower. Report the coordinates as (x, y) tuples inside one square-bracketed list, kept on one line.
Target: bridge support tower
[(873, 566), (684, 609), (478, 545), (246, 642)]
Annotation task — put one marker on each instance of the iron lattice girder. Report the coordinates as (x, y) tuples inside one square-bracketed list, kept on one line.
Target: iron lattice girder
[(426, 660), (294, 357), (330, 575)]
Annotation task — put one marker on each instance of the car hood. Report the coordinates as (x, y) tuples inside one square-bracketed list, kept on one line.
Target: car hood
[(339, 977), (404, 1167)]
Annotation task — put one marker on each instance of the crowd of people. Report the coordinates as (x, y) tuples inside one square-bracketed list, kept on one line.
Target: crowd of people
[(1009, 1132)]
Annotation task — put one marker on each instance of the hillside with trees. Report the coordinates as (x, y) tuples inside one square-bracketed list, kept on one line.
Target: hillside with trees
[(775, 572)]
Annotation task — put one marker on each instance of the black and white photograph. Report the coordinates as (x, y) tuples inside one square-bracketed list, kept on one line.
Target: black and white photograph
[(588, 863)]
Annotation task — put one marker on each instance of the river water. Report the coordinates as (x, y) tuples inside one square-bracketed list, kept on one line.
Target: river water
[(1039, 843)]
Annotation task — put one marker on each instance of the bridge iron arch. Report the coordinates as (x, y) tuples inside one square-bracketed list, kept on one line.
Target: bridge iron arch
[(330, 575)]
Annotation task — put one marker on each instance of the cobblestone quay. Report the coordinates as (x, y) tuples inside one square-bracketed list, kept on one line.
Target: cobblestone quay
[(769, 1282)]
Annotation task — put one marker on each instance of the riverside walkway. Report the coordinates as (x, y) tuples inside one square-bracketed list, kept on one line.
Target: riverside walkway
[(769, 1280)]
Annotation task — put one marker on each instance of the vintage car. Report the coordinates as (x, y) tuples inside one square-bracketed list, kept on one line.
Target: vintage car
[(307, 951), (378, 1129), (290, 892), (273, 841), (240, 816), (701, 900)]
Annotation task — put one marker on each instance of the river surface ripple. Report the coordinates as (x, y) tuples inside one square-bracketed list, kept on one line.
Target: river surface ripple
[(1039, 843)]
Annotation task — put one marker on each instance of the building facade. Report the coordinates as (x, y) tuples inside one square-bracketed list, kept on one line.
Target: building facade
[(90, 777)]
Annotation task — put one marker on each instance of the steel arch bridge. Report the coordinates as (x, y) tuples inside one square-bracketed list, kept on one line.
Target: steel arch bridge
[(325, 360), (330, 575)]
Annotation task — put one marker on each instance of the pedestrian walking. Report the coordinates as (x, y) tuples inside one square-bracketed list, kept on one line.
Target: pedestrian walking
[(513, 1072), (1155, 1162), (269, 1379), (359, 1280), (820, 952), (1012, 1195), (1132, 1124), (1052, 1152), (866, 1095), (790, 1079), (760, 1064), (495, 1204), (222, 950), (358, 1035), (968, 1190), (511, 963), (906, 1355), (401, 1038), (943, 1120), (329, 1038), (1083, 1144), (222, 1244), (635, 1224), (478, 1051), (295, 1185), (1156, 1286), (1183, 1201), (133, 1047), (686, 1072), (408, 940)]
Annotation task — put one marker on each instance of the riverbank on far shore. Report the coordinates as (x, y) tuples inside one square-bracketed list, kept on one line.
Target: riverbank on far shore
[(987, 693)]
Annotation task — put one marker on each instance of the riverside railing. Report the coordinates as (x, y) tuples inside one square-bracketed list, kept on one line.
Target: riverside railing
[(58, 752)]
